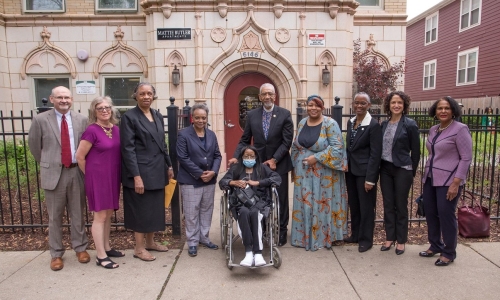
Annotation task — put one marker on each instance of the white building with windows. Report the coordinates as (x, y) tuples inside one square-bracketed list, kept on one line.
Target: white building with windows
[(220, 51)]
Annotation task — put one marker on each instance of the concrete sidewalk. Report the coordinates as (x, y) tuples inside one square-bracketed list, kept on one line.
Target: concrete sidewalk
[(341, 273)]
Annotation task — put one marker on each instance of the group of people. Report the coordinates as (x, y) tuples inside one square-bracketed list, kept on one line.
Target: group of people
[(327, 174), (93, 157)]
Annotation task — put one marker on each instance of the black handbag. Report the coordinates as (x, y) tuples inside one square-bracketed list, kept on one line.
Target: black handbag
[(246, 196), (420, 206)]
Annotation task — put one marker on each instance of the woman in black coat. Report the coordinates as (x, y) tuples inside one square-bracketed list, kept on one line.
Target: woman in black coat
[(364, 147), (400, 157)]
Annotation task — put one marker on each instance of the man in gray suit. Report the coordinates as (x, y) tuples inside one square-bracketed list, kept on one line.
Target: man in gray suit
[(60, 176)]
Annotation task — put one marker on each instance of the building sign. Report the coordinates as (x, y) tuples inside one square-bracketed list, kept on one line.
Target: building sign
[(173, 34), (316, 39), (85, 87)]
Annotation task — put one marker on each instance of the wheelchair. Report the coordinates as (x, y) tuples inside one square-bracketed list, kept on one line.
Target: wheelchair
[(229, 231)]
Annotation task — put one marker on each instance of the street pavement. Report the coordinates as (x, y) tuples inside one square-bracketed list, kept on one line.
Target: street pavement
[(338, 273)]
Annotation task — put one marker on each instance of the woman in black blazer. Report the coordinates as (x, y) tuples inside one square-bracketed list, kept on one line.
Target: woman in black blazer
[(364, 148), (400, 157), (146, 169), (199, 162)]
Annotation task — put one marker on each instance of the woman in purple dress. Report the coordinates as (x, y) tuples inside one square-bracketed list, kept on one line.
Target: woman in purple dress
[(99, 158)]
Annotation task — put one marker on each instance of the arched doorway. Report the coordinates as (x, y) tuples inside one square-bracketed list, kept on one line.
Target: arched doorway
[(241, 96)]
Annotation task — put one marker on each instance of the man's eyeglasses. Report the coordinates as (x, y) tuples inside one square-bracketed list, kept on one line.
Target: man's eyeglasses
[(360, 103), (63, 98), (102, 108), (268, 94)]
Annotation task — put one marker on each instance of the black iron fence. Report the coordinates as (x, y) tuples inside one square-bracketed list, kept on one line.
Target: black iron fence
[(22, 201), (483, 179), (21, 198)]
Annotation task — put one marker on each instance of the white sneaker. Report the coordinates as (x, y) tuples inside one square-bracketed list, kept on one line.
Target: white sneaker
[(259, 260), (248, 260)]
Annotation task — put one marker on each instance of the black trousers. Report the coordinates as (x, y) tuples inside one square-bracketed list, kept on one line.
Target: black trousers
[(283, 202), (362, 208), (251, 229), (395, 183), (441, 219)]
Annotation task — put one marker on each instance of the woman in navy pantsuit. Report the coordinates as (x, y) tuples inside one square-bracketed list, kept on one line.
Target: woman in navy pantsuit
[(199, 162), (450, 154)]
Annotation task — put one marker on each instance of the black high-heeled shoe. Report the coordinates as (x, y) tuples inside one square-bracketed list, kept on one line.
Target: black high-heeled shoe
[(384, 248), (399, 252), (442, 263), (427, 254)]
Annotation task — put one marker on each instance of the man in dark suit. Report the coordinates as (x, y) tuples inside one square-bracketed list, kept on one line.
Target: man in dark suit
[(271, 128), (364, 152), (53, 139)]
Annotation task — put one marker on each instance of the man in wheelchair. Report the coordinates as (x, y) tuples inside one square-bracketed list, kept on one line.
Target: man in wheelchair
[(250, 200)]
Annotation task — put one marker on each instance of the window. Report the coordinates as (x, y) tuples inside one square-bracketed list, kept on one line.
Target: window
[(430, 75), (467, 66), (120, 88), (116, 5), (44, 6), (470, 14), (43, 88), (376, 3), (431, 27)]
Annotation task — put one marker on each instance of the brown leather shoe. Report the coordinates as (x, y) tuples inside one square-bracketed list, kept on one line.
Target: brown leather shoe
[(56, 264), (83, 257)]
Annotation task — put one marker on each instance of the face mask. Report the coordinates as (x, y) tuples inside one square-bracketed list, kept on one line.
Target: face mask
[(249, 163)]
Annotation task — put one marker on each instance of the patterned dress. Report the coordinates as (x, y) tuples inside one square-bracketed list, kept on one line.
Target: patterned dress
[(320, 198)]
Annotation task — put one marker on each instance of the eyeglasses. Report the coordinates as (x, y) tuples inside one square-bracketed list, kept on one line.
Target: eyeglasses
[(268, 94), (360, 103), (248, 157), (102, 108), (63, 97)]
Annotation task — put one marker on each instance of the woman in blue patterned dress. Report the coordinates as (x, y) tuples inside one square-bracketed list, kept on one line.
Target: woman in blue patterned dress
[(319, 200)]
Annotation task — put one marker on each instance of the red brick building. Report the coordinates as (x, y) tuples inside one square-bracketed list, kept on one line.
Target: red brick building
[(453, 49)]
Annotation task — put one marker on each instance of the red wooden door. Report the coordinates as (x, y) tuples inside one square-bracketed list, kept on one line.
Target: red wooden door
[(241, 96)]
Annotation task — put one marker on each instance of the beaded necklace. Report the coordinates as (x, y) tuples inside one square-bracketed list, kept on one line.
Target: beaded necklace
[(108, 132), (441, 129)]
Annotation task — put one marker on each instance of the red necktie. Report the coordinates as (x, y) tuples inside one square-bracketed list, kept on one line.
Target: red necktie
[(65, 144)]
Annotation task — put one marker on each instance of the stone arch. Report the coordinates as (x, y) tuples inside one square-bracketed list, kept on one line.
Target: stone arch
[(326, 58), (34, 58), (372, 52), (250, 22), (175, 58), (133, 55), (284, 84)]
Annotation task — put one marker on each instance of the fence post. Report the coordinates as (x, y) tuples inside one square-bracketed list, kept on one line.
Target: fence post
[(337, 112), (44, 108), (186, 111), (300, 112), (172, 119)]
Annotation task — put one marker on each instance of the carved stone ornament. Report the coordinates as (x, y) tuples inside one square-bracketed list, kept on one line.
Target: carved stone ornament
[(278, 10), (133, 55), (222, 8), (282, 35), (34, 58), (251, 43), (167, 10), (218, 34), (371, 43)]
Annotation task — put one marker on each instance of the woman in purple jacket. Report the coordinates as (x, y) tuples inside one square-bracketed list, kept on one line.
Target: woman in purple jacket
[(450, 154)]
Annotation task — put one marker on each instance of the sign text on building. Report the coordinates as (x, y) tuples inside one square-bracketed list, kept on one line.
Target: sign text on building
[(173, 34), (316, 39)]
